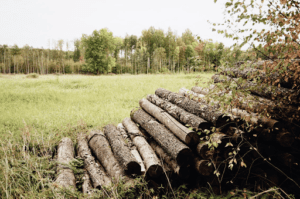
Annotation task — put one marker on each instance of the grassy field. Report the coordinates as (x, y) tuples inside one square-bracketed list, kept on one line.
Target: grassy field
[(37, 112)]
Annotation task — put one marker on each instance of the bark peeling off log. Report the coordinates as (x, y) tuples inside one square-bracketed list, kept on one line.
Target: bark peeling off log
[(151, 161), (121, 151), (203, 167), (184, 134), (204, 111), (179, 151), (65, 154), (182, 171), (132, 147), (102, 150), (97, 173), (180, 114)]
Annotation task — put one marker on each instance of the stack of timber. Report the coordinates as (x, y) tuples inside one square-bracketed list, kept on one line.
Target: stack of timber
[(187, 137)]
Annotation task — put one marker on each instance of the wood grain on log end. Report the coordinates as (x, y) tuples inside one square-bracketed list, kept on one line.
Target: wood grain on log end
[(285, 138), (155, 171), (203, 167), (192, 139), (184, 157)]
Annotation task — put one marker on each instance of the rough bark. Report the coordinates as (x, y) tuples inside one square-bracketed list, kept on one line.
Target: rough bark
[(179, 151), (65, 154), (204, 111), (102, 150), (121, 151), (203, 91), (180, 114), (203, 167), (183, 133), (96, 171), (288, 96), (151, 161), (182, 171), (132, 147), (87, 184)]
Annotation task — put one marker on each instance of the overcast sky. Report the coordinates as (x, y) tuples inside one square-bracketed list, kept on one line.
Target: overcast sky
[(36, 22)]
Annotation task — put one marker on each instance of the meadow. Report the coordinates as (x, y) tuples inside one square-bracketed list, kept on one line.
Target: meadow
[(37, 112)]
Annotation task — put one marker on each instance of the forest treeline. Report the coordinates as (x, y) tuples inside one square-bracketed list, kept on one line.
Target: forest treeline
[(155, 51)]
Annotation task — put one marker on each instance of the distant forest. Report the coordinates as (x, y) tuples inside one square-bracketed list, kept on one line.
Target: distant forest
[(155, 51)]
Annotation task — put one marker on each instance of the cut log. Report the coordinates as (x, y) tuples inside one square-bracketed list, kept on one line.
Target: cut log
[(151, 161), (182, 171), (203, 167), (288, 96), (204, 111), (204, 151), (95, 170), (132, 147), (87, 188), (250, 117), (102, 150), (180, 114), (285, 138), (203, 91), (121, 151), (184, 134), (179, 151), (65, 154)]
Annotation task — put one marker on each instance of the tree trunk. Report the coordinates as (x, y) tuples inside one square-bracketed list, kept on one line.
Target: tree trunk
[(203, 167), (96, 171), (287, 96), (180, 114), (151, 161), (132, 147), (179, 151), (182, 171), (204, 111), (184, 134), (65, 154), (102, 150), (121, 151)]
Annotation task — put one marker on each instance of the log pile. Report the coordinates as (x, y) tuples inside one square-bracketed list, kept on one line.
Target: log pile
[(189, 137)]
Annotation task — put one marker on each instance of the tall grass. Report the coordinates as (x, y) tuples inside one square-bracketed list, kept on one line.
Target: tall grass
[(37, 112)]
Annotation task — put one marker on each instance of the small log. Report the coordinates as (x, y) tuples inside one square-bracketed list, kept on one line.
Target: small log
[(203, 167), (152, 163), (184, 134), (179, 151), (286, 158), (180, 114), (204, 151), (65, 154), (87, 188), (131, 146), (182, 171), (285, 139), (121, 151), (96, 171), (203, 91), (102, 150), (204, 111)]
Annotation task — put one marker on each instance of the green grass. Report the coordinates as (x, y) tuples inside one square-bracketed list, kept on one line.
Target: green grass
[(37, 112)]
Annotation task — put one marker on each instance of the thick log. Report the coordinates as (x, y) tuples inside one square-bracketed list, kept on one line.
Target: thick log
[(204, 151), (180, 114), (96, 172), (151, 161), (132, 147), (87, 184), (182, 171), (179, 151), (65, 154), (204, 111), (121, 151), (183, 133), (102, 150), (287, 96), (203, 167)]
